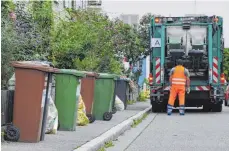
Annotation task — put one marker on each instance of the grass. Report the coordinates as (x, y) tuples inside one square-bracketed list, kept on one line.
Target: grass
[(77, 147), (138, 121), (130, 102), (143, 96), (102, 149), (107, 145)]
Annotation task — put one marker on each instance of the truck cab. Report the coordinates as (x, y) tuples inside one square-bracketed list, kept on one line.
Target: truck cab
[(197, 42)]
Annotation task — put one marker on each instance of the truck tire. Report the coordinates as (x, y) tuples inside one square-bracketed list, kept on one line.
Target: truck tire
[(158, 107), (206, 108), (154, 108), (225, 103), (217, 108)]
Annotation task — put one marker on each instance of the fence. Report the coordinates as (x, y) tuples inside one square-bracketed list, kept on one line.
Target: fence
[(7, 101)]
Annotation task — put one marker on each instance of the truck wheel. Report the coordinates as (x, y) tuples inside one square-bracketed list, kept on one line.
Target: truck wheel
[(154, 108), (206, 108), (157, 107), (217, 108)]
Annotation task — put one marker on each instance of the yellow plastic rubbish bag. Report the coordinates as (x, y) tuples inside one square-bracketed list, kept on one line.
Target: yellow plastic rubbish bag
[(82, 119)]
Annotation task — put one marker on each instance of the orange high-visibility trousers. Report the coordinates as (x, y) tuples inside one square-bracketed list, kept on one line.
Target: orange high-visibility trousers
[(174, 91)]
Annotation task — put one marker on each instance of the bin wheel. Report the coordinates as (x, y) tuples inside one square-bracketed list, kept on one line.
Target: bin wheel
[(107, 116), (58, 127), (12, 133), (91, 118), (114, 110)]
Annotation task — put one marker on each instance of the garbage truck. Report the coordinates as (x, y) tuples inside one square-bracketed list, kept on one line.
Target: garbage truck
[(197, 42)]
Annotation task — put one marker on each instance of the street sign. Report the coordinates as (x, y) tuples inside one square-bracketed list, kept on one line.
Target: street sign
[(155, 42)]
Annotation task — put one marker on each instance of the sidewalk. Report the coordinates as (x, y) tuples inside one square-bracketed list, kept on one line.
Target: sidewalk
[(68, 141)]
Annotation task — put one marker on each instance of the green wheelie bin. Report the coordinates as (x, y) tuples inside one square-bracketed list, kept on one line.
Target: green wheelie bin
[(104, 96), (68, 86)]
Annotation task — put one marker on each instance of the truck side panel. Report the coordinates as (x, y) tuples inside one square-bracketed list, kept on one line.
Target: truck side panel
[(156, 56)]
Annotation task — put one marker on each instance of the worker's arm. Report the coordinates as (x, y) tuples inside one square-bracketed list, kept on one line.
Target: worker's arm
[(170, 75), (187, 77)]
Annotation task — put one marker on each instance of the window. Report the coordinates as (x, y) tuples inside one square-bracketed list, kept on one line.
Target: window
[(64, 3), (94, 2), (73, 4)]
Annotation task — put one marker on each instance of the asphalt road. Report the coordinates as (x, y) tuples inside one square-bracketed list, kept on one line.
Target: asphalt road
[(196, 131)]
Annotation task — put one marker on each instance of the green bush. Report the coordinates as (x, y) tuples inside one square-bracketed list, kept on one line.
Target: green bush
[(94, 42), (226, 62), (8, 47), (143, 96), (22, 39)]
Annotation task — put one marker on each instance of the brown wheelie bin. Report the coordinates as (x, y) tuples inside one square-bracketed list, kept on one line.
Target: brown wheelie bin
[(87, 93), (31, 99)]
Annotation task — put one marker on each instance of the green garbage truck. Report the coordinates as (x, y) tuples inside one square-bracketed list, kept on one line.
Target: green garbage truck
[(197, 42)]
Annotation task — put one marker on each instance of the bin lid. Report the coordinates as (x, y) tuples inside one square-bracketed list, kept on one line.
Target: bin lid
[(36, 65), (72, 72), (108, 76), (124, 78), (91, 74)]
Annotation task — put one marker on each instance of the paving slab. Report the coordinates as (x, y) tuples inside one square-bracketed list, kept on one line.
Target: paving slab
[(68, 140)]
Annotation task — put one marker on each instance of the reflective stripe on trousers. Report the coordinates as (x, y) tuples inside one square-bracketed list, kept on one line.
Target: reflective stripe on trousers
[(178, 81), (182, 109)]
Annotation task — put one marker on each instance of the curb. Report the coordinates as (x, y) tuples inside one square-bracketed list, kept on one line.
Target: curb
[(111, 134)]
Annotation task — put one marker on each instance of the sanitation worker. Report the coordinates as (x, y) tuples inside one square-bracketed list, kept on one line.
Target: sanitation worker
[(179, 82)]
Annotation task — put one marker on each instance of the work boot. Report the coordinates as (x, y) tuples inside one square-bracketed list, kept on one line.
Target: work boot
[(182, 109), (169, 109)]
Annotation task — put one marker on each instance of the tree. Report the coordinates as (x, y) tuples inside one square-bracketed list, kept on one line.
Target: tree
[(8, 41), (226, 62), (93, 42), (85, 41), (144, 31), (23, 37)]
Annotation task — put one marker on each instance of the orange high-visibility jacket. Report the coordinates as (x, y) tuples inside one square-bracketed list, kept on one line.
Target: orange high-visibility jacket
[(179, 77)]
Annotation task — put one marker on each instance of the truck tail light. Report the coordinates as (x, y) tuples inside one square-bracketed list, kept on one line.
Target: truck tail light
[(222, 79), (150, 79), (215, 19), (157, 20)]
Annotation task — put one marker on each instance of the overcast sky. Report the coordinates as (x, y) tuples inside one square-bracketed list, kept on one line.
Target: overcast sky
[(173, 8)]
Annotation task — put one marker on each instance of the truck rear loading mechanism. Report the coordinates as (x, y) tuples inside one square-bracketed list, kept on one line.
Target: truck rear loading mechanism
[(197, 42)]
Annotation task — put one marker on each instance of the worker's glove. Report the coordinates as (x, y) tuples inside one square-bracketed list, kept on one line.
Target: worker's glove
[(188, 90)]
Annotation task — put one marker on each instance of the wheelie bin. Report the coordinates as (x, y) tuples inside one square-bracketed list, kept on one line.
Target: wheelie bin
[(104, 96), (122, 89), (31, 99), (87, 93), (68, 86)]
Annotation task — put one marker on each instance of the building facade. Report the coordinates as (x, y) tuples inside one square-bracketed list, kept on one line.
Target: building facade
[(60, 5), (131, 19)]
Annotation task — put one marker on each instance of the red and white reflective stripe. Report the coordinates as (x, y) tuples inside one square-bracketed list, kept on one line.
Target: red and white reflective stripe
[(202, 88), (158, 70), (215, 70)]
